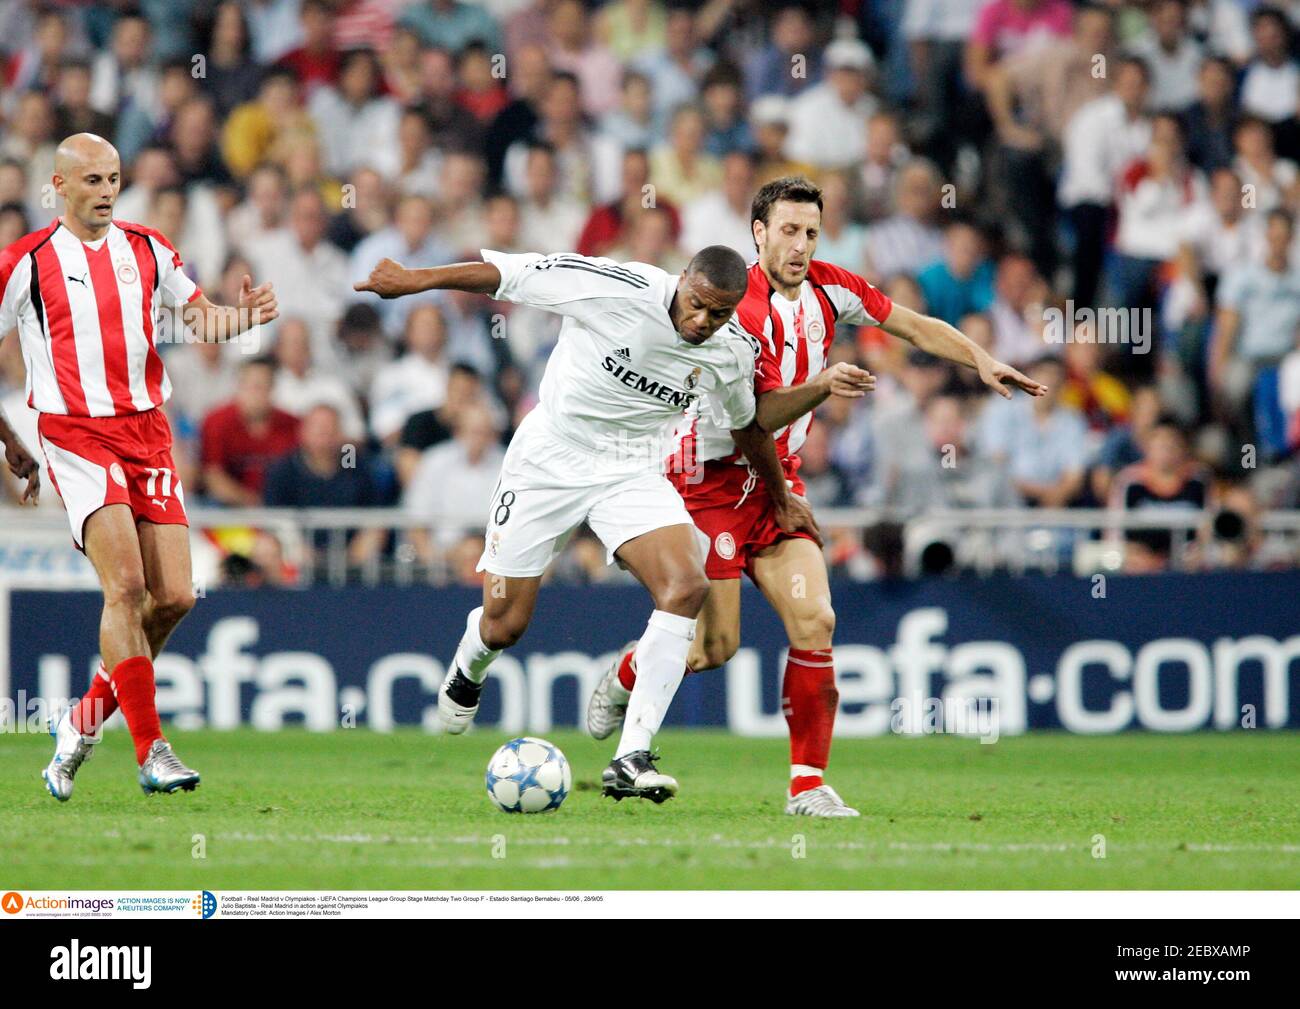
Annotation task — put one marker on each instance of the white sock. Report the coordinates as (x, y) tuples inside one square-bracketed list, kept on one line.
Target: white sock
[(472, 656), (660, 665)]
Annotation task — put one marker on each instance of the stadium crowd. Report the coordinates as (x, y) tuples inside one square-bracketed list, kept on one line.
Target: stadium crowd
[(1008, 165)]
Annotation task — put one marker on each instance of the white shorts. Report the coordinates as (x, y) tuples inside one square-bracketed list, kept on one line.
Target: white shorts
[(548, 488)]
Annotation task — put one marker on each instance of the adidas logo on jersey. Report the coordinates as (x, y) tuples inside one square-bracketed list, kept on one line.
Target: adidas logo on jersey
[(624, 353)]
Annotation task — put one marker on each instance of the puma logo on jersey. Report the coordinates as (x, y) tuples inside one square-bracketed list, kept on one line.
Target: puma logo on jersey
[(649, 386), (160, 504), (80, 280)]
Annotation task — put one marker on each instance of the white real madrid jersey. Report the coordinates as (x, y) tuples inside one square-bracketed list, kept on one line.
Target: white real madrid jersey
[(620, 377)]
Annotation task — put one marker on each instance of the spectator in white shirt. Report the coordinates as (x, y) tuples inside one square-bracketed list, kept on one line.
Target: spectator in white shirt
[(453, 482), (299, 386), (828, 123), (1100, 140), (550, 220), (1272, 80), (908, 239), (263, 209), (842, 241), (415, 381), (1017, 311), (410, 239), (357, 125), (1272, 180), (310, 274), (723, 216), (1172, 55), (124, 73)]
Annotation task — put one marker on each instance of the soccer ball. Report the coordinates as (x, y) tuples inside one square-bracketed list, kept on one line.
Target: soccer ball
[(528, 775)]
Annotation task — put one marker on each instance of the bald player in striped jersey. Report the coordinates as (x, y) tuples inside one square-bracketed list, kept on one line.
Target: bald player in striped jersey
[(89, 295)]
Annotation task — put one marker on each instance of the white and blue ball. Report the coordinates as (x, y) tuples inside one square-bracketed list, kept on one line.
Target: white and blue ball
[(528, 775)]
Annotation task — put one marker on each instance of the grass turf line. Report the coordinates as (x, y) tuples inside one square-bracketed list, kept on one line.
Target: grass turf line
[(355, 809)]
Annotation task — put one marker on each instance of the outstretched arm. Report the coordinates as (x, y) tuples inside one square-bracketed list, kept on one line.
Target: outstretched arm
[(936, 337), (21, 463), (792, 511), (391, 279)]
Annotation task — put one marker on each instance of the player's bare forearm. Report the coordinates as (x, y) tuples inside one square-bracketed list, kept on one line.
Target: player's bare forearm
[(219, 323), (934, 336), (390, 279), (21, 463), (779, 407)]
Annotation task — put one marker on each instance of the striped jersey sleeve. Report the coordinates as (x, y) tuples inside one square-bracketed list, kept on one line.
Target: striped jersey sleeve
[(855, 301)]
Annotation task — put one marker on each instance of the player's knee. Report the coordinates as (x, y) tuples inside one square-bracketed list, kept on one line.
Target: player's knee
[(503, 630), (718, 649), (171, 607), (815, 629), (684, 593), (126, 589)]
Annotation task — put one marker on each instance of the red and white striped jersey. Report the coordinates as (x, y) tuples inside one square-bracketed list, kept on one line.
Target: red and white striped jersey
[(87, 316), (793, 341)]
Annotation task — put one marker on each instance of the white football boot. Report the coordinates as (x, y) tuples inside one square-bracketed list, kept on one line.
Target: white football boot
[(71, 750), (162, 771), (608, 705), (819, 801), (458, 701)]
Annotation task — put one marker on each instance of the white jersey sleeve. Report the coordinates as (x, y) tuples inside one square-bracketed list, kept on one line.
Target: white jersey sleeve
[(566, 283), (736, 396), (175, 288), (17, 291)]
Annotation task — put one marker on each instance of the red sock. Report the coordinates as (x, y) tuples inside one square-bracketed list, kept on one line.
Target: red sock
[(132, 681), (809, 699), (626, 674), (96, 707)]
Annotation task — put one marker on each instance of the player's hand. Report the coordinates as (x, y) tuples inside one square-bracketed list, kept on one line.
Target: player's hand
[(795, 515), (257, 303), (997, 376), (847, 381), (389, 279), (24, 467)]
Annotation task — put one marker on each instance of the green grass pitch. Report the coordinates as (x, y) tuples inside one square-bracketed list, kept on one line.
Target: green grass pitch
[(360, 810)]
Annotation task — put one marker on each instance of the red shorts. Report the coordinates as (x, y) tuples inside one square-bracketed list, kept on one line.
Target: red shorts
[(738, 525), (98, 461)]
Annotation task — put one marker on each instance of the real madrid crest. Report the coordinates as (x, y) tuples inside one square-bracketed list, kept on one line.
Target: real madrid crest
[(693, 379)]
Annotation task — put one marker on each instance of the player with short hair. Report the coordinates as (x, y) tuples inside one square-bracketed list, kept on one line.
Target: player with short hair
[(637, 347), (791, 306), (89, 295)]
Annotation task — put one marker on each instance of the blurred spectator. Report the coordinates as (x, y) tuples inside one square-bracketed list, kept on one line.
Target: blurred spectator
[(310, 275), (828, 122), (140, 125), (1259, 310), (649, 239), (232, 75), (451, 25), (357, 125), (1100, 398), (30, 142), (529, 80), (908, 239), (886, 155), (1017, 311), (1209, 121), (452, 507), (410, 240), (791, 44), (316, 62), (74, 113), (417, 165), (723, 217), (361, 348), (426, 428), (1272, 180), (549, 219), (261, 128), (632, 123), (936, 33), (325, 472), (203, 377), (583, 159), (244, 437), (770, 118), (1005, 28), (415, 381), (1040, 443), (299, 385), (1272, 80), (630, 27), (676, 70), (364, 214), (1166, 479), (604, 228), (263, 210), (194, 141), (681, 169), (723, 103), (574, 49), (1122, 446), (961, 281), (123, 73), (842, 240), (897, 424), (1101, 140), (1172, 55)]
